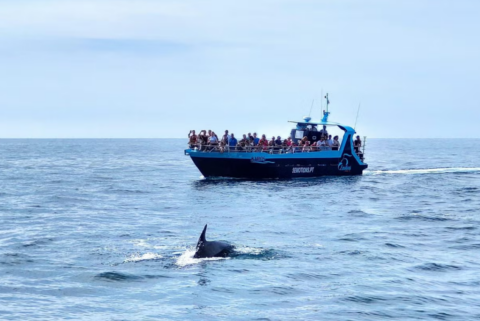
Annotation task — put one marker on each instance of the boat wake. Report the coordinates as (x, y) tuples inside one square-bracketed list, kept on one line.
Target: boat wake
[(187, 258), (143, 257), (425, 171), (242, 252)]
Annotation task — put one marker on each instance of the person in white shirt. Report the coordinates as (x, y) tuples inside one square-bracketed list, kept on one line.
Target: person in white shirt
[(213, 139), (329, 141), (321, 144)]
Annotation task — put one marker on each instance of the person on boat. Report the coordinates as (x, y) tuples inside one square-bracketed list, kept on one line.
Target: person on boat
[(289, 141), (357, 144), (192, 139), (278, 141), (336, 143), (329, 141), (243, 143), (202, 137), (232, 142), (321, 144), (272, 141), (250, 138), (221, 147), (226, 138), (300, 144), (262, 143), (255, 139), (213, 139), (323, 132), (271, 144), (305, 140), (306, 147), (291, 148)]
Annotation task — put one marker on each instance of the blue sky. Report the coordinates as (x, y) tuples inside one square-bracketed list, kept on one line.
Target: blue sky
[(145, 68)]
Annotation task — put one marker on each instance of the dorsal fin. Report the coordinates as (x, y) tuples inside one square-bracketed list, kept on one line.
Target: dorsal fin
[(202, 238)]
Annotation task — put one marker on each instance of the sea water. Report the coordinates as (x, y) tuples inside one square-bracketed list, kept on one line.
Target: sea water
[(106, 230)]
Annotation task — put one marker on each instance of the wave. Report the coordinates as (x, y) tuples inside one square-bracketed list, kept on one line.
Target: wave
[(246, 252), (467, 228), (243, 252), (187, 258), (117, 276), (426, 218), (124, 277), (393, 245), (466, 247), (425, 171), (365, 299), (144, 257), (437, 267)]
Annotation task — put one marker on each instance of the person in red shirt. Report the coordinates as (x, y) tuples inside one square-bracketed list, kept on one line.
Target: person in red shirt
[(262, 143)]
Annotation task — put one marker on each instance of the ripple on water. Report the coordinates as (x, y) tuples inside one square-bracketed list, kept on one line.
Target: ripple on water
[(358, 213), (366, 299), (116, 277), (12, 259), (437, 267), (125, 277), (351, 237), (39, 242), (426, 218), (353, 252), (303, 276), (460, 228), (393, 245), (466, 247)]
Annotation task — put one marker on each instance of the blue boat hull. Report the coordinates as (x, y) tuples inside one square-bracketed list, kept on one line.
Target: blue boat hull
[(275, 166)]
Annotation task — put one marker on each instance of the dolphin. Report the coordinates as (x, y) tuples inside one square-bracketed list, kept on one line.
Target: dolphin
[(211, 248)]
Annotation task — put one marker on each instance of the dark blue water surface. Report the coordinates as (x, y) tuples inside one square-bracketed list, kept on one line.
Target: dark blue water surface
[(105, 230)]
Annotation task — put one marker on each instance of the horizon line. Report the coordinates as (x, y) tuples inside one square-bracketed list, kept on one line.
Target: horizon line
[(59, 138)]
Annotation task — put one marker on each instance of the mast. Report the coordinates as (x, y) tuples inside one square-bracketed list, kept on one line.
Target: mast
[(326, 113), (328, 101)]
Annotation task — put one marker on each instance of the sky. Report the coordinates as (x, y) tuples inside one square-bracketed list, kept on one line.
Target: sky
[(159, 68)]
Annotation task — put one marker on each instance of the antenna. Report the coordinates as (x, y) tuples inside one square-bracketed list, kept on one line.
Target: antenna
[(321, 104), (358, 111), (313, 100)]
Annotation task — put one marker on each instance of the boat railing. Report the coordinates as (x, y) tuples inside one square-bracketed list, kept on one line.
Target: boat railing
[(259, 149), (363, 148)]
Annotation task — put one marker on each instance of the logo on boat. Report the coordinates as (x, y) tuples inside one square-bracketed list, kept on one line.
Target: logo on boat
[(343, 165), (302, 170), (260, 160)]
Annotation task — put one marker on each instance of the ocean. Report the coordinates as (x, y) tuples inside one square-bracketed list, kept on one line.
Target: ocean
[(105, 229)]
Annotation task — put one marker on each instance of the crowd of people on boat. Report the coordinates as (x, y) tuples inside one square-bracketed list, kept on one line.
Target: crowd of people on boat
[(209, 141)]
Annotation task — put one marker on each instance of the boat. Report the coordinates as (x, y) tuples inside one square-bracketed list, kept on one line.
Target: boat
[(253, 162)]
